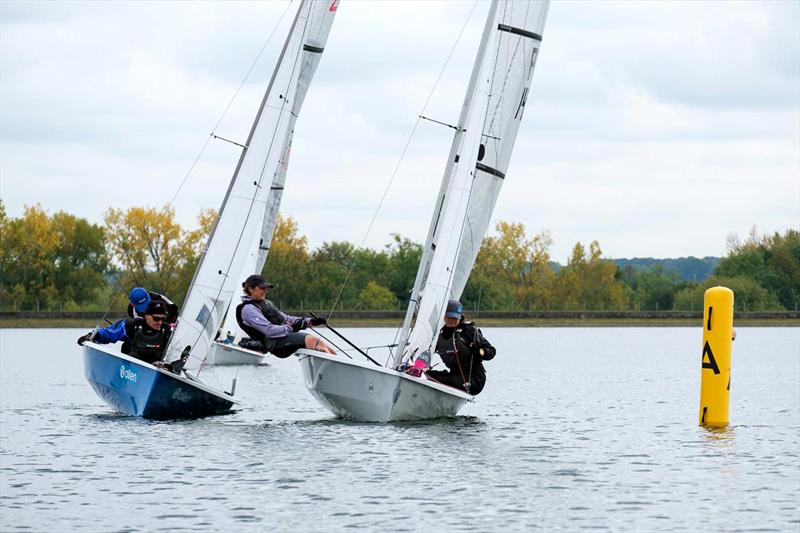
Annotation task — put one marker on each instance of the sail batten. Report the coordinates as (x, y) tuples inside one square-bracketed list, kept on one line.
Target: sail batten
[(493, 107), (255, 190)]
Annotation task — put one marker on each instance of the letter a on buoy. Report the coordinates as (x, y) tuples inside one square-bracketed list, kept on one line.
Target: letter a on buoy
[(715, 367)]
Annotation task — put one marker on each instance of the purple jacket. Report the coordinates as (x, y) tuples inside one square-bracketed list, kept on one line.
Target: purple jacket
[(253, 317)]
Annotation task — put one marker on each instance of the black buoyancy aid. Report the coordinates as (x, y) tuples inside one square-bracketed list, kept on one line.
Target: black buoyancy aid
[(454, 350), (267, 309), (145, 343)]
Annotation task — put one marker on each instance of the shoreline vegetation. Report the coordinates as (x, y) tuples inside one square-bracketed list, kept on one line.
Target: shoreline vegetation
[(70, 319), (62, 263)]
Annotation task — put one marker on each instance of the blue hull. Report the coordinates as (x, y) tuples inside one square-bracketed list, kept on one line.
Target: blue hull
[(136, 388)]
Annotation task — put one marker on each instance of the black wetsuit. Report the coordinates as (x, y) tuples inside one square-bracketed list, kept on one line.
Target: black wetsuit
[(459, 349)]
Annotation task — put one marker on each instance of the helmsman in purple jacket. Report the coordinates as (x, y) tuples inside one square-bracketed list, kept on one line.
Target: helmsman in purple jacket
[(270, 329)]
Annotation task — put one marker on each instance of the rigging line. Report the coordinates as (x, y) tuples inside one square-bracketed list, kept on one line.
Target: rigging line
[(258, 184), (469, 190), (330, 341), (205, 145), (402, 156), (233, 98)]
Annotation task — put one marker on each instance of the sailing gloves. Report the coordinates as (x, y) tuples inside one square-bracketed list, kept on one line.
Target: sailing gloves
[(84, 338), (303, 323), (317, 321)]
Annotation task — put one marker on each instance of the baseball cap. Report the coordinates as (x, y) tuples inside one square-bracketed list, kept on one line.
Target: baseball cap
[(139, 298), (257, 281), (454, 309), (156, 307)]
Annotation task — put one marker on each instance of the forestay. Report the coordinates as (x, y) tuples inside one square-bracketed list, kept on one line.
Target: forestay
[(479, 159), (255, 190)]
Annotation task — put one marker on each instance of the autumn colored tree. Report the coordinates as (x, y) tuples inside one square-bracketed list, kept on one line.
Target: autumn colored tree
[(153, 249), (29, 248), (589, 281), (48, 262), (287, 264), (512, 271)]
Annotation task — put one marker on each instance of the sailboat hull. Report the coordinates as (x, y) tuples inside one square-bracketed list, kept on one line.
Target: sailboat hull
[(222, 354), (136, 388), (368, 393)]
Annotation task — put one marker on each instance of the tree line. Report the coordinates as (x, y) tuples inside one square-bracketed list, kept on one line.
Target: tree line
[(62, 262)]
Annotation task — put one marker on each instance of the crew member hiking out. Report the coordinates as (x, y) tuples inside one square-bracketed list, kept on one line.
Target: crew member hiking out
[(270, 329), (463, 349), (144, 338)]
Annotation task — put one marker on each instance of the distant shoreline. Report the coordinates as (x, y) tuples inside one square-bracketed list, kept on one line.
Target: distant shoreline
[(67, 319)]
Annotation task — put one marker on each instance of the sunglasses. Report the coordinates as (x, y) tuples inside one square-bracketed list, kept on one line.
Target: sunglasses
[(158, 318)]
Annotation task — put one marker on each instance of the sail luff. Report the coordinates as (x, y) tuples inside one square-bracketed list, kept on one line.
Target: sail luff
[(519, 38), (202, 257), (500, 97), (430, 246), (246, 201), (263, 241)]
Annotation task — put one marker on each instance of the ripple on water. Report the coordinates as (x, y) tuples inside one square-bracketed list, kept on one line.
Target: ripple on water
[(547, 446)]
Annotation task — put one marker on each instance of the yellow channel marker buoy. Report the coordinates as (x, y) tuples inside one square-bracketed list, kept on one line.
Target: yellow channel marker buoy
[(715, 373)]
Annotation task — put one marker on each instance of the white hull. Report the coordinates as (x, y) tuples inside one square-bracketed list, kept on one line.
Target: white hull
[(366, 392), (222, 354)]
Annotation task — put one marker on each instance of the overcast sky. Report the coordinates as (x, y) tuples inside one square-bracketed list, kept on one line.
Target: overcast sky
[(657, 128)]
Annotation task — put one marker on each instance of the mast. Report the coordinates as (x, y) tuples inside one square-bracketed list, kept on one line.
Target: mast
[(249, 196), (476, 171), (452, 160)]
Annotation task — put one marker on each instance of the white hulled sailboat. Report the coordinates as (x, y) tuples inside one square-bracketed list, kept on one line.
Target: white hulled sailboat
[(476, 166)]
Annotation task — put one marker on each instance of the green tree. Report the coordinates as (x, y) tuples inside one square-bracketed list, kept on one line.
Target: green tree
[(402, 263), (772, 261), (654, 288), (376, 297), (748, 295), (80, 258)]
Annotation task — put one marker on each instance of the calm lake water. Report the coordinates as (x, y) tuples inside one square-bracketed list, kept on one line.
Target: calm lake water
[(591, 429)]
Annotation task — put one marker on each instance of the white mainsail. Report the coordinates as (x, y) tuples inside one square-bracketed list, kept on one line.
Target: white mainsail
[(257, 256), (256, 187), (479, 158)]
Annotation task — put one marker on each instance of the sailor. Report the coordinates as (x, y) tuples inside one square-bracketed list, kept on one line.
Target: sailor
[(463, 349), (140, 298), (144, 338), (270, 329)]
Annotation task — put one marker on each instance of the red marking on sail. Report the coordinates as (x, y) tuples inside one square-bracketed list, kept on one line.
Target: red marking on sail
[(333, 5)]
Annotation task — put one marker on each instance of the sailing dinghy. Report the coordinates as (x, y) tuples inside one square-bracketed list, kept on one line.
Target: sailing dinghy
[(136, 388), (476, 167)]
